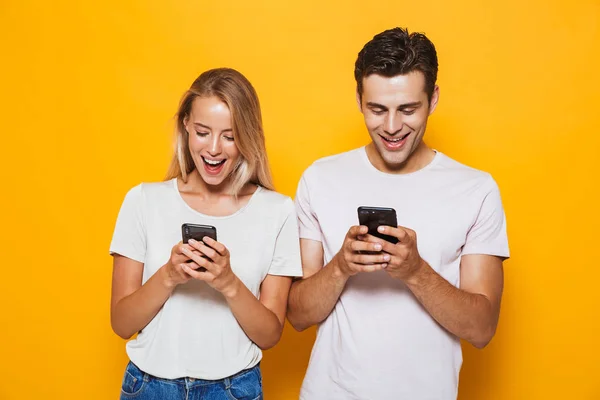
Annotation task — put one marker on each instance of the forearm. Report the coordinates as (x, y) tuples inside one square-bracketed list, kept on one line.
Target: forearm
[(259, 323), (132, 313), (469, 316), (312, 299)]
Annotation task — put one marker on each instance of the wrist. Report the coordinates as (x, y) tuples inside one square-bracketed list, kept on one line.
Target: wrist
[(165, 278), (232, 290), (337, 268), (418, 274)]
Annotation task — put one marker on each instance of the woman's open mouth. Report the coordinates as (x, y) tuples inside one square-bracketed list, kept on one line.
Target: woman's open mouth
[(213, 167)]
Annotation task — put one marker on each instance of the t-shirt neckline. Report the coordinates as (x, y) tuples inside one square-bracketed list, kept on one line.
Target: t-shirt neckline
[(363, 153), (239, 211)]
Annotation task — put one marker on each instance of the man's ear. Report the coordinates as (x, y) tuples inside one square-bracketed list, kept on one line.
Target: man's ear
[(435, 97)]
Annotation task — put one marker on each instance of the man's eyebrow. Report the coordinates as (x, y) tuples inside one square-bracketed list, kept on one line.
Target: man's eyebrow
[(376, 105)]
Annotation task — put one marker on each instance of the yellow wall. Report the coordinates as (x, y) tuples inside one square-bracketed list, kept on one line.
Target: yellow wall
[(87, 90)]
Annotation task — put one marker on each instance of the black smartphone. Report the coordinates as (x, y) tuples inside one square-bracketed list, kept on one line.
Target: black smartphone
[(197, 232), (373, 217)]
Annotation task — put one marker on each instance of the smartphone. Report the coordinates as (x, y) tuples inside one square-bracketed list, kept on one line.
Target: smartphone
[(197, 232), (373, 217)]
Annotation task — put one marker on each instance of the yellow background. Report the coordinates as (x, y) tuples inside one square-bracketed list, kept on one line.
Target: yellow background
[(87, 92)]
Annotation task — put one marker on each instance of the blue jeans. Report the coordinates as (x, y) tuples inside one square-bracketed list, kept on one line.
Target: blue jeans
[(245, 385)]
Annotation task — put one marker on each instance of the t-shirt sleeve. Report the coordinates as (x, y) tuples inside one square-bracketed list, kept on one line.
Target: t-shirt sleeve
[(286, 257), (129, 237), (488, 233), (308, 224)]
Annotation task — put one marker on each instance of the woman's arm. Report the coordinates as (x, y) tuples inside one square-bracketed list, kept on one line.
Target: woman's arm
[(132, 304), (262, 320)]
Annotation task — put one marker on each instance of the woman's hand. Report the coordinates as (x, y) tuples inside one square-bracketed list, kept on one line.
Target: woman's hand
[(174, 272), (218, 272)]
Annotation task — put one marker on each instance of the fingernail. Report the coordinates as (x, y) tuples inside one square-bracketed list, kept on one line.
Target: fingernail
[(386, 257), (184, 250), (192, 241), (377, 247), (381, 229), (384, 265)]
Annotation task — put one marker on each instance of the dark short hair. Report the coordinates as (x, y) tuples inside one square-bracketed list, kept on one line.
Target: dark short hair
[(397, 52)]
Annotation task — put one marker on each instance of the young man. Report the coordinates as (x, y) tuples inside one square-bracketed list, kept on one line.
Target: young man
[(391, 316)]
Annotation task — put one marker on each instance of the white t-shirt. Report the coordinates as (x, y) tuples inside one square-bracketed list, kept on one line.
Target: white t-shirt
[(195, 334), (379, 343)]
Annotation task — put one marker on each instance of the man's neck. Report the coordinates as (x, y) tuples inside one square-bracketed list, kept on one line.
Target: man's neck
[(419, 159)]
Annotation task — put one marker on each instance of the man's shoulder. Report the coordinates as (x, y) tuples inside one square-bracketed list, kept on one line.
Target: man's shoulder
[(463, 172)]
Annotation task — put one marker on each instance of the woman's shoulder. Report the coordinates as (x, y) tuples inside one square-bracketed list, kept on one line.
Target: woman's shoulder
[(274, 199), (151, 190)]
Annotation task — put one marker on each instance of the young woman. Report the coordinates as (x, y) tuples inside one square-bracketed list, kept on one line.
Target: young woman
[(204, 310)]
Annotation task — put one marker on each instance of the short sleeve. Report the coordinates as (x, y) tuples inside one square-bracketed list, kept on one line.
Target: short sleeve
[(308, 223), (488, 233), (286, 257), (129, 237)]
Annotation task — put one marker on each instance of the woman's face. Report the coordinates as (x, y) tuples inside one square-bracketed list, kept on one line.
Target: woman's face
[(211, 140)]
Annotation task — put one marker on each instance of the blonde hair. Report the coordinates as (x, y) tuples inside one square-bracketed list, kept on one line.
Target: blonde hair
[(233, 89)]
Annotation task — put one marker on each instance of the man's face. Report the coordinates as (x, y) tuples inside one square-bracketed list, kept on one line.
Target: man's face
[(396, 111)]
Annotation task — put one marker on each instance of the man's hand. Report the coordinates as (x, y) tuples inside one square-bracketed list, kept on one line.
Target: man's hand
[(405, 260), (357, 255)]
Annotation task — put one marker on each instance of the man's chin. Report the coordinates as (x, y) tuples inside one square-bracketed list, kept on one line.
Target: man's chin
[(393, 158)]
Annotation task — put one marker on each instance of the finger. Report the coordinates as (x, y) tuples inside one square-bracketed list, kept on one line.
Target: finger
[(398, 249), (400, 233), (200, 275), (200, 248), (356, 230), (195, 266), (412, 234), (198, 259), (181, 270), (373, 267), (218, 247), (181, 257), (357, 245), (178, 248), (368, 259), (397, 260), (208, 251), (373, 239), (194, 244)]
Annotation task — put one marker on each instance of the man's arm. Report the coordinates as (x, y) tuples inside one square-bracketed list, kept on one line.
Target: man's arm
[(312, 298), (470, 312)]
